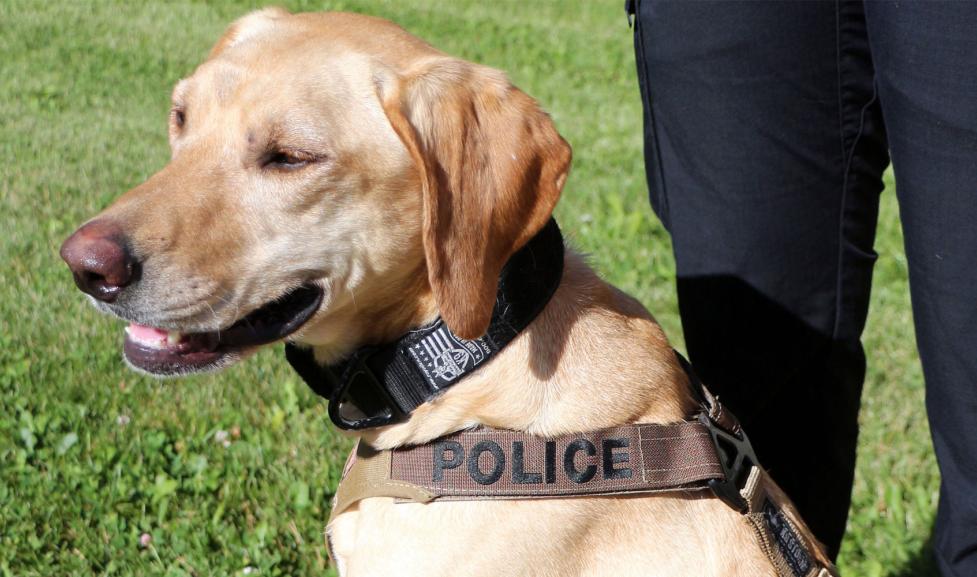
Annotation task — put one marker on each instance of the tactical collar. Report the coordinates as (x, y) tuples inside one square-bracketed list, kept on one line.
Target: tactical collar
[(381, 385)]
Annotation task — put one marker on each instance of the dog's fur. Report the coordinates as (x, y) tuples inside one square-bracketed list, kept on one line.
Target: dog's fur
[(417, 177)]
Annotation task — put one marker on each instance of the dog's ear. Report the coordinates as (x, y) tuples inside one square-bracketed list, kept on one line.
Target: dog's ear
[(247, 27), (492, 167)]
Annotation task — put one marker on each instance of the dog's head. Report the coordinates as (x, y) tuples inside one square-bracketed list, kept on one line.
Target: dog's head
[(335, 181)]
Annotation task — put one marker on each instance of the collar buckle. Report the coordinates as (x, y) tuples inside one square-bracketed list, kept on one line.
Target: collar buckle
[(736, 458)]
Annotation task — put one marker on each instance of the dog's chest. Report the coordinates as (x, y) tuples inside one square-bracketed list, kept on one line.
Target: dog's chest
[(542, 538), (380, 537)]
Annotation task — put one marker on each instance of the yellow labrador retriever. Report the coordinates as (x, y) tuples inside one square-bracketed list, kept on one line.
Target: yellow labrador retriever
[(337, 182)]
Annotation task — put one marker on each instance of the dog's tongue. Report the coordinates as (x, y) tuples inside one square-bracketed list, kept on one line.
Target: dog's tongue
[(146, 334), (151, 336)]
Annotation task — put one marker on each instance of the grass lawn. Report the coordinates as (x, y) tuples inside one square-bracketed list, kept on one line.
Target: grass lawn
[(105, 472)]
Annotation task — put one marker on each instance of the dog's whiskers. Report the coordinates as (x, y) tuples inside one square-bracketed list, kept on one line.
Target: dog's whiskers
[(237, 310)]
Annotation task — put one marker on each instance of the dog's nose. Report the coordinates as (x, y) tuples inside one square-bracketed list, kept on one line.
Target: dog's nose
[(100, 260)]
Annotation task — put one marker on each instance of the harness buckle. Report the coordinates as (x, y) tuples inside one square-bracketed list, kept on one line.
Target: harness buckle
[(369, 399), (736, 458)]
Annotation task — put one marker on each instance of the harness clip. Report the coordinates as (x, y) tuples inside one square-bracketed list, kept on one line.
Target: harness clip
[(736, 458)]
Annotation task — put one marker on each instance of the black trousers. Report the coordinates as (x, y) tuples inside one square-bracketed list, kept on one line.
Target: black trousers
[(767, 129)]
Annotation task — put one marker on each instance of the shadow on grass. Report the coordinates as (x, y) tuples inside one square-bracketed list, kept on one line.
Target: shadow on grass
[(922, 563)]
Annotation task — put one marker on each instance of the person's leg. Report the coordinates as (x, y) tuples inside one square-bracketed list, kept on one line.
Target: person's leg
[(926, 62), (764, 152)]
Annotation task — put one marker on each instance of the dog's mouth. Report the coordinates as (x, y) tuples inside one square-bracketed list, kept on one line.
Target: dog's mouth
[(161, 352)]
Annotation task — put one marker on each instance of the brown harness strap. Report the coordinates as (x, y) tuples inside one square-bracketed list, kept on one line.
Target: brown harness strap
[(487, 463), (496, 464), (790, 548), (714, 409)]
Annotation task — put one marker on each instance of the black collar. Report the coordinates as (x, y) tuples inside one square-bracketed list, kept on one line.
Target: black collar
[(380, 385)]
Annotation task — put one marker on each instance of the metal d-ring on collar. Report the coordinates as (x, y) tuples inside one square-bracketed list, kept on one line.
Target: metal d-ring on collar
[(383, 384)]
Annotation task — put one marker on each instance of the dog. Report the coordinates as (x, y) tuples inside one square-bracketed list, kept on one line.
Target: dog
[(337, 182)]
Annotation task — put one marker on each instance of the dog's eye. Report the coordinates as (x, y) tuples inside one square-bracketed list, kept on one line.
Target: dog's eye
[(178, 116), (287, 159)]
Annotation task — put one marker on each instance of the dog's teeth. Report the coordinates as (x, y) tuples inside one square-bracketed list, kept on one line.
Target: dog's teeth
[(173, 337)]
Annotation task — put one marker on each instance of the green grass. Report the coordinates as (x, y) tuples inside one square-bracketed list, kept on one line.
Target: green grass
[(92, 456)]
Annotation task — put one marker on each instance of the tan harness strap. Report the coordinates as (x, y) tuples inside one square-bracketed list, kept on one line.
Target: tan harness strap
[(784, 538), (367, 474)]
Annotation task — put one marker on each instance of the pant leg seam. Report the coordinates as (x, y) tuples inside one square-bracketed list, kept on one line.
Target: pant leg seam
[(848, 157)]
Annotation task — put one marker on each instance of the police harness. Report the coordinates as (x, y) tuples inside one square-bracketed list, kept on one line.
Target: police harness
[(381, 385)]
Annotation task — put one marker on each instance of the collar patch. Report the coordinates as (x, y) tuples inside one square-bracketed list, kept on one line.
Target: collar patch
[(444, 358)]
